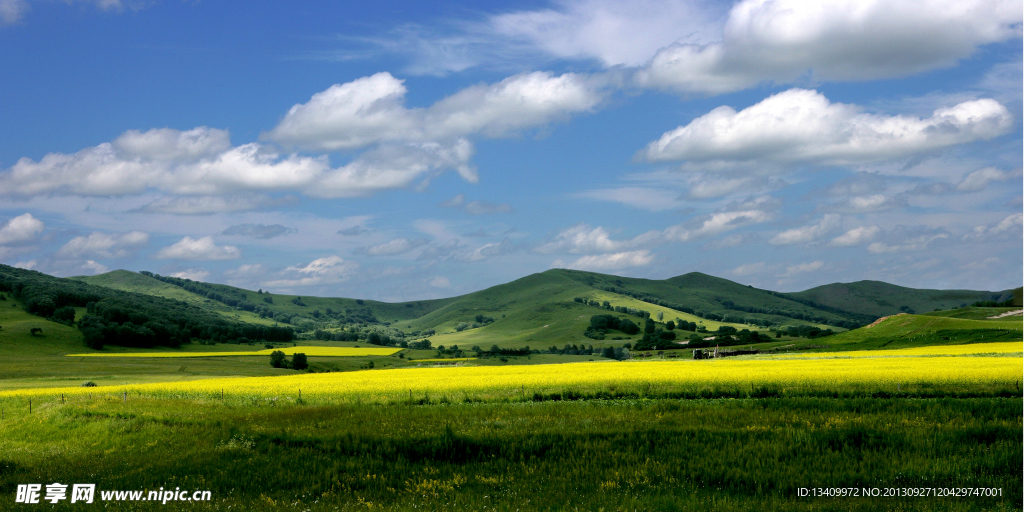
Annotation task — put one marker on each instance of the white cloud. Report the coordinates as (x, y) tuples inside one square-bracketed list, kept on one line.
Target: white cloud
[(198, 163), (613, 32), (708, 187), (93, 268), (396, 246), (195, 274), (440, 282), (321, 271), (11, 11), (980, 179), (350, 115), (613, 261), (103, 245), (490, 250), (1011, 224), (735, 215), (856, 236), (749, 269), (803, 126), (900, 242), (803, 268), (21, 229), (781, 40), (580, 238), (370, 111), (27, 265), (808, 233), (201, 249)]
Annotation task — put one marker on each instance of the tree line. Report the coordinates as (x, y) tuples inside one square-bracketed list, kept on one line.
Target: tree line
[(123, 318)]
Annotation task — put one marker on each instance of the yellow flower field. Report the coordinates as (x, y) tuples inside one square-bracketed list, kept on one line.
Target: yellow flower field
[(1006, 347), (796, 374), (309, 351)]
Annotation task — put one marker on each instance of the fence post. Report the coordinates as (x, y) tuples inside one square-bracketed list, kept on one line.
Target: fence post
[(30, 406)]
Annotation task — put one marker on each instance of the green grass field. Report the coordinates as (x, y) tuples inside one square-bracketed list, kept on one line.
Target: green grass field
[(721, 443)]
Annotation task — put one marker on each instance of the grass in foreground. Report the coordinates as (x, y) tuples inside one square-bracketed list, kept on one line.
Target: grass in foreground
[(730, 455)]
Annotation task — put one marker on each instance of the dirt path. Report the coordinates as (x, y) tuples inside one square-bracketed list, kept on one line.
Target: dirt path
[(1008, 313)]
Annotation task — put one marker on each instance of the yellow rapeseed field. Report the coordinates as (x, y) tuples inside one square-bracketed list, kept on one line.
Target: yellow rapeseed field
[(1004, 347), (796, 374), (309, 351)]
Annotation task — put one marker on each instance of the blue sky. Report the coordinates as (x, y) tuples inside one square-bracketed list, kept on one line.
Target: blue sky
[(401, 151)]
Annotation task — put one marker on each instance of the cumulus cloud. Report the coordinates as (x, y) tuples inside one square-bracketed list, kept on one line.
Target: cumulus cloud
[(580, 238), (21, 229), (803, 126), (370, 111), (201, 249), (199, 163), (103, 245), (781, 40), (856, 236), (195, 274), (321, 271), (613, 261), (258, 231)]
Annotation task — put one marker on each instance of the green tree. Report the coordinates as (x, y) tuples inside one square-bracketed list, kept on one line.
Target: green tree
[(299, 361), (277, 359)]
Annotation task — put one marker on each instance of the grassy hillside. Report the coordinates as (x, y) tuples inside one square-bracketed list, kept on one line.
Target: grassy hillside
[(903, 331), (710, 294), (973, 313), (881, 299), (304, 306)]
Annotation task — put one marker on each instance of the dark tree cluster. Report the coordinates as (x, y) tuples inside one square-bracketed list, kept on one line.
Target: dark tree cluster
[(601, 324), (124, 318)]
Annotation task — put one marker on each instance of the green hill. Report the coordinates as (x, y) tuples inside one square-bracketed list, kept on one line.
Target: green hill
[(880, 299), (231, 301), (904, 331)]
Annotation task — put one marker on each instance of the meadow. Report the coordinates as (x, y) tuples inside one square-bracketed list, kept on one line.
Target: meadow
[(914, 402)]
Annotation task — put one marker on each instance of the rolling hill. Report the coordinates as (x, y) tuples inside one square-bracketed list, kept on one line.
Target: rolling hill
[(880, 299)]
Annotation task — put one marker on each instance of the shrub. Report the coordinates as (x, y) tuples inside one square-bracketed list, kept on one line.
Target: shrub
[(299, 361)]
